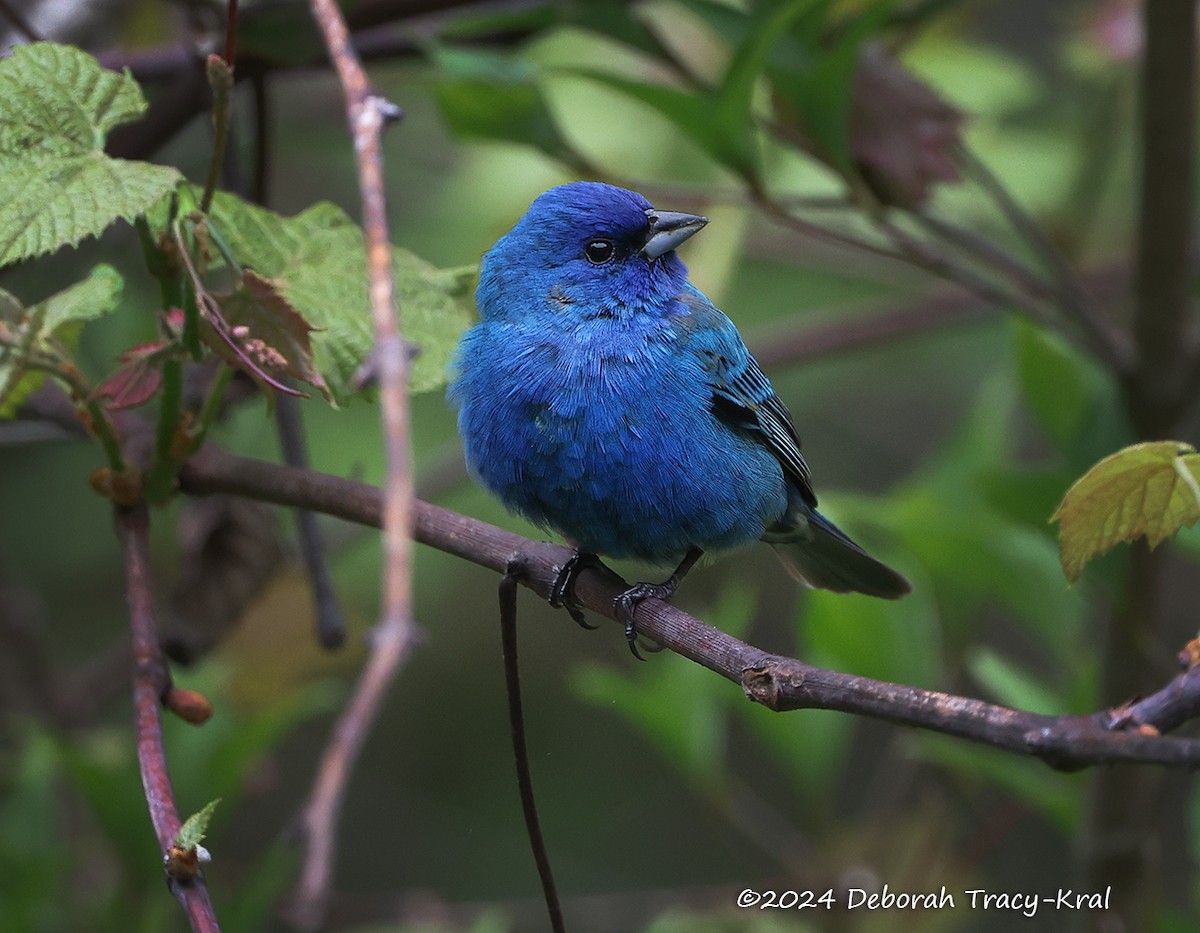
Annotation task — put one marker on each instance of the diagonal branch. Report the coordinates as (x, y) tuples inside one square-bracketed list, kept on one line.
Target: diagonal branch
[(151, 682), (1065, 742)]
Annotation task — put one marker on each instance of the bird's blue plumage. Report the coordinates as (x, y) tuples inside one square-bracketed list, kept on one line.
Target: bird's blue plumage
[(602, 395)]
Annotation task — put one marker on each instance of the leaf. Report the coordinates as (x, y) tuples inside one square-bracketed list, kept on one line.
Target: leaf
[(814, 77), (137, 379), (317, 264), (679, 707), (1055, 381), (47, 330), (56, 107), (1053, 794), (896, 641), (490, 95), (903, 137), (195, 826), (1150, 489), (272, 338), (1013, 685), (693, 113)]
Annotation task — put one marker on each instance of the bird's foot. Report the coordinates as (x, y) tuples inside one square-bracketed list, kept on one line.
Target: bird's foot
[(562, 595), (626, 605)]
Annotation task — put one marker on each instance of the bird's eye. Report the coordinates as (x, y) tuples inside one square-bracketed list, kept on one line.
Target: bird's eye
[(598, 252)]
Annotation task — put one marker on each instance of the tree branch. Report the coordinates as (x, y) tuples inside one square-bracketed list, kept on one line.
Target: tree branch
[(1064, 742), (1164, 263), (367, 113), (151, 683)]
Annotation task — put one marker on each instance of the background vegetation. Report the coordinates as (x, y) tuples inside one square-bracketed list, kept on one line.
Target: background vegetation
[(950, 381)]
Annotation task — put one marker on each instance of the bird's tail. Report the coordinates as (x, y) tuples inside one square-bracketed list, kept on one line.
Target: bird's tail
[(823, 556)]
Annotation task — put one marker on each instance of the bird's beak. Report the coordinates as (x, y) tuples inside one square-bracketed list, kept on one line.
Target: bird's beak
[(667, 230)]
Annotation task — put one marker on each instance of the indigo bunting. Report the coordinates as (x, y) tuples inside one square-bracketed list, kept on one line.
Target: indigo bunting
[(602, 395)]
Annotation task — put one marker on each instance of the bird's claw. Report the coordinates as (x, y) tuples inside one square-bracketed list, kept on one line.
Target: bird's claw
[(626, 605), (562, 594)]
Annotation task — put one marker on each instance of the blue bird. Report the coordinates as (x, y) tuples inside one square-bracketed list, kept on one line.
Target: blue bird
[(602, 395)]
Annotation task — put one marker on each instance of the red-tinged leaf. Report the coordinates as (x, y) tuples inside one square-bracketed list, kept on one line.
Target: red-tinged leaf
[(256, 329), (136, 380), (902, 135), (1148, 489)]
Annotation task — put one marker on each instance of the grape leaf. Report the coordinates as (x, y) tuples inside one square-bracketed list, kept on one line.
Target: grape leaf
[(317, 264), (268, 337), (195, 826), (56, 107), (1150, 489), (45, 331)]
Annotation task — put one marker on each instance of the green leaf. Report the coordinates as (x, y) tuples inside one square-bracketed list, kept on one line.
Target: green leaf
[(815, 75), (895, 641), (1053, 794), (195, 826), (270, 335), (66, 312), (317, 264), (491, 95), (693, 113), (56, 107), (1057, 384), (44, 333), (1012, 685), (680, 706), (1150, 489)]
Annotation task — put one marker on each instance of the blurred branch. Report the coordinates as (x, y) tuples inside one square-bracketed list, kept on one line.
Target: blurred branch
[(851, 332), (331, 626), (1072, 301), (1164, 262), (1126, 824), (1066, 742), (180, 67), (151, 684), (368, 113), (9, 12)]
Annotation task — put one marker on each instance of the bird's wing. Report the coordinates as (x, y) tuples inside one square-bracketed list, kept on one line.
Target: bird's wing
[(742, 394)]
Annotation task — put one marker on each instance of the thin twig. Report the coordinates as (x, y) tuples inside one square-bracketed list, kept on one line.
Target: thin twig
[(1070, 297), (1066, 742), (367, 114), (262, 138), (516, 723), (935, 311), (1126, 826), (331, 626), (151, 681)]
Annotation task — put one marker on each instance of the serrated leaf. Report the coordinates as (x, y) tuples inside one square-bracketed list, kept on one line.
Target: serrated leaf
[(1150, 489), (269, 337), (317, 263), (67, 311), (136, 380), (56, 107), (195, 826), (47, 330)]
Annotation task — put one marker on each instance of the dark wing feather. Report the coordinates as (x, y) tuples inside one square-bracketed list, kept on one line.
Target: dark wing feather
[(742, 395)]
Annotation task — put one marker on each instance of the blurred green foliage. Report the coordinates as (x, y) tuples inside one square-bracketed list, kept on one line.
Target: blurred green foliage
[(664, 793)]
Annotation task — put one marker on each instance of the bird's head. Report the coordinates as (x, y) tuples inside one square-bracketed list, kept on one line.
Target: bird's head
[(588, 248)]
